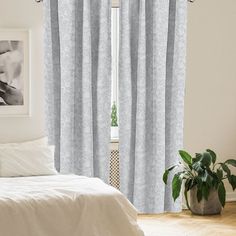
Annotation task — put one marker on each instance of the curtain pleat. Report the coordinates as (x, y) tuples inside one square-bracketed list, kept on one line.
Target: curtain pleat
[(78, 84), (151, 98)]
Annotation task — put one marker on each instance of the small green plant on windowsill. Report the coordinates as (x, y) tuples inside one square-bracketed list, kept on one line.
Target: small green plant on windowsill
[(114, 122), (203, 177), (114, 115)]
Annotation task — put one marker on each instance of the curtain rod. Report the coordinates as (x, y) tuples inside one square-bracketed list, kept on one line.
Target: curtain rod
[(38, 1)]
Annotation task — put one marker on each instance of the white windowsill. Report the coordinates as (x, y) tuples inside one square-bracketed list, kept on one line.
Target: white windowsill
[(114, 140)]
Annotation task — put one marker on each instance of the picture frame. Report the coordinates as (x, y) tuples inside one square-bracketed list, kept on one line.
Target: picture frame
[(15, 73)]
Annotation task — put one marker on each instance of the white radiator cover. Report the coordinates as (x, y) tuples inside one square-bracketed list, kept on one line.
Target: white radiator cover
[(114, 173)]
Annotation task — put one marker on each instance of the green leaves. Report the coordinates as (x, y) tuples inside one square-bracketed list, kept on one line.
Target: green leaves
[(232, 181), (189, 183), (231, 162), (176, 185), (197, 158), (114, 122), (215, 180), (206, 159), (213, 155), (205, 191), (203, 172), (166, 173), (221, 193), (165, 176), (231, 178), (186, 198), (197, 167), (185, 157), (208, 179), (203, 161), (176, 182), (199, 194), (225, 169), (219, 174)]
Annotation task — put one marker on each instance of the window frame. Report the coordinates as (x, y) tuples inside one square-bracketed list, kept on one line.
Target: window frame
[(115, 57)]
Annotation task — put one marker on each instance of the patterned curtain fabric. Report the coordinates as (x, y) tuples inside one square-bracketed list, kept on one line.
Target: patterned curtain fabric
[(152, 80), (77, 84)]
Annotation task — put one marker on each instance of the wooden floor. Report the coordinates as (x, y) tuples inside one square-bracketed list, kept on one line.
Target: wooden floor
[(186, 224)]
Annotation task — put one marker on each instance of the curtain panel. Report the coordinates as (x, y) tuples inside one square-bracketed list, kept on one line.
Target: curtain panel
[(77, 84), (151, 98)]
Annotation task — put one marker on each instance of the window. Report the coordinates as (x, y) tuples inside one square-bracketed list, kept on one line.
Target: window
[(115, 68), (115, 54)]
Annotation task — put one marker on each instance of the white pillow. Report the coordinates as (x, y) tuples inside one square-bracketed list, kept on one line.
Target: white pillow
[(25, 161), (38, 142)]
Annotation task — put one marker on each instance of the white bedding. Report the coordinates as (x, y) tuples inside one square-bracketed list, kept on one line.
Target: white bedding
[(64, 205)]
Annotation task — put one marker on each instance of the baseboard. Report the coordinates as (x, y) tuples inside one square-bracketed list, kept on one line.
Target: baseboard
[(231, 196)]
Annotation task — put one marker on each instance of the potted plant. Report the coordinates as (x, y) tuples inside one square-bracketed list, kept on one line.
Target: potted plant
[(114, 124), (203, 178)]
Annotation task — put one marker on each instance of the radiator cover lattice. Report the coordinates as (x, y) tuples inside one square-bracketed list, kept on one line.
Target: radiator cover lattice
[(114, 177)]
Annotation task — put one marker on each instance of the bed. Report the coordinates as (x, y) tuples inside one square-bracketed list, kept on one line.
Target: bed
[(64, 205)]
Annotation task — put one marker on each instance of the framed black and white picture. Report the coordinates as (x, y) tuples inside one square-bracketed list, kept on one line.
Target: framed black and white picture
[(14, 72)]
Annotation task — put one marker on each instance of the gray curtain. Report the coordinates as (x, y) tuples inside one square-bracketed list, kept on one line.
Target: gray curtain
[(77, 84), (152, 79)]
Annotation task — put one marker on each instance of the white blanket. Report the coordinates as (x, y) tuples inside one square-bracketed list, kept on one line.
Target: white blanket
[(64, 205)]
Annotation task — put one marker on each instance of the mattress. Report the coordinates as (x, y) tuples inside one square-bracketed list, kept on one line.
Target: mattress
[(64, 205)]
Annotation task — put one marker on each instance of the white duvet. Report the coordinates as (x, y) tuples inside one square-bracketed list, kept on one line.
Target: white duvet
[(64, 205)]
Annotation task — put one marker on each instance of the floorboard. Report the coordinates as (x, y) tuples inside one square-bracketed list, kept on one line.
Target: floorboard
[(186, 224)]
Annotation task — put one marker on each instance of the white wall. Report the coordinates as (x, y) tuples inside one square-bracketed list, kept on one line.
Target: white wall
[(210, 103), (26, 14)]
